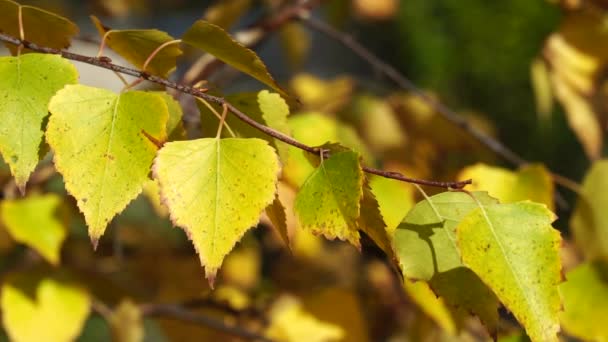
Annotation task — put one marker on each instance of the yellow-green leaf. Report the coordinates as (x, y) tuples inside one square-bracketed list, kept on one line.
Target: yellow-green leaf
[(216, 190), (372, 223), (127, 323), (137, 45), (425, 243), (395, 199), (39, 26), (315, 129), (175, 126), (33, 221), (27, 84), (289, 322), (102, 147), (214, 40), (43, 307), (514, 250), (585, 295), (328, 202), (531, 182), (589, 221), (431, 305)]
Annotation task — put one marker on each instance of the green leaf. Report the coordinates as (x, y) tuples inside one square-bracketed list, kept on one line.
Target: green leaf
[(43, 307), (27, 84), (214, 40), (32, 221), (101, 145), (137, 45), (514, 250), (585, 296), (395, 199), (426, 247), (216, 190), (531, 182), (589, 221), (39, 26), (315, 129), (328, 202)]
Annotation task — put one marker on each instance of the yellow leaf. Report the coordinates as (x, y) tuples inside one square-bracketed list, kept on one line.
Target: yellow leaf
[(43, 307), (32, 221), (102, 148), (126, 323)]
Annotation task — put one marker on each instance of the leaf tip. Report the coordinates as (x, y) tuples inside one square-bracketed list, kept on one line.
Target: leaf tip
[(94, 242), (211, 276)]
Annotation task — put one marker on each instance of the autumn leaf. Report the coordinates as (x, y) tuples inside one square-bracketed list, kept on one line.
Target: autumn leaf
[(101, 144), (514, 250), (32, 221), (27, 84), (216, 190)]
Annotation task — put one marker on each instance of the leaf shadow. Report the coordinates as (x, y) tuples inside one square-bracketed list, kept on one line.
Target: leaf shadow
[(425, 232)]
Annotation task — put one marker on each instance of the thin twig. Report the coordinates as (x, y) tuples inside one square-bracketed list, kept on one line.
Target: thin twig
[(103, 63), (178, 313), (352, 44)]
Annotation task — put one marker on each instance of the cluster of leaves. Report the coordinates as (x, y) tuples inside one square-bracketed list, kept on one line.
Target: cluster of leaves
[(459, 252)]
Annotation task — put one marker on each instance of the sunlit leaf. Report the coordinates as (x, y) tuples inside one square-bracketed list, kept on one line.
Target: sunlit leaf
[(27, 84), (531, 182), (395, 199), (39, 26), (372, 223), (378, 123), (102, 147), (217, 42), (322, 95), (314, 129), (426, 247), (43, 307), (216, 190), (137, 45), (585, 295), (328, 201), (589, 221), (514, 250), (175, 126), (33, 221), (289, 322)]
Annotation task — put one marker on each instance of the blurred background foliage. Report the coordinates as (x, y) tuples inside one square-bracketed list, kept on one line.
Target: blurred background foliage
[(530, 73)]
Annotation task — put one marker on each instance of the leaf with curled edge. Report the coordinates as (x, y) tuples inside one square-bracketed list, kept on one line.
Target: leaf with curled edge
[(137, 45), (102, 147), (217, 42), (39, 26), (216, 190)]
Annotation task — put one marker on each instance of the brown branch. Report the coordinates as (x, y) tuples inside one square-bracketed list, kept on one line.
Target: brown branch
[(352, 44), (181, 314), (103, 63)]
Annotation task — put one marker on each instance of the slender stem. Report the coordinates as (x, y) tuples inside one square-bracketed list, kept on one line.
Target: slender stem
[(178, 313), (103, 63), (222, 120), (217, 115), (157, 50), (349, 42)]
